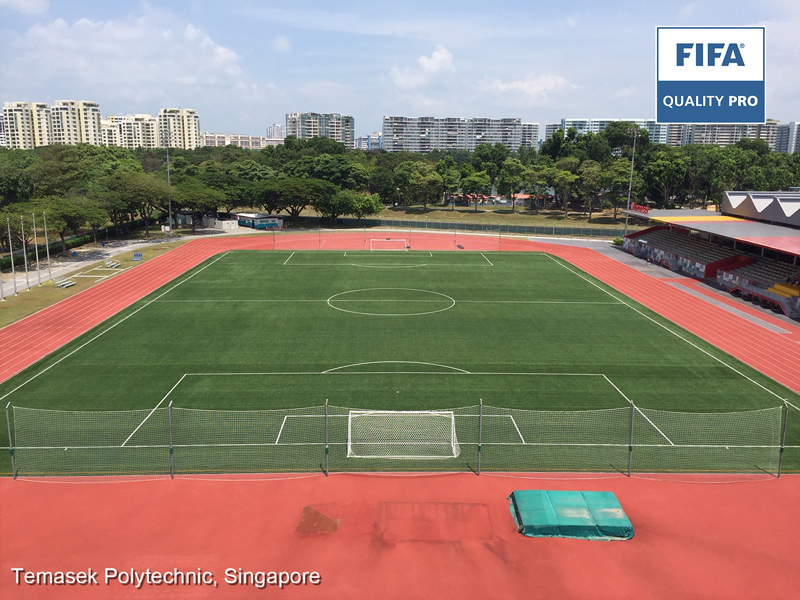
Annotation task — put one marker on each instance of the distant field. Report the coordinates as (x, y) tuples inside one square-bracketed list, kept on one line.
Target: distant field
[(257, 331)]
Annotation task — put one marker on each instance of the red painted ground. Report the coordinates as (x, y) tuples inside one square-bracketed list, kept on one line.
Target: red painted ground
[(434, 536)]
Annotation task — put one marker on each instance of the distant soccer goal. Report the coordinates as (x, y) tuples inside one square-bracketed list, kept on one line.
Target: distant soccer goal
[(388, 244), (426, 434)]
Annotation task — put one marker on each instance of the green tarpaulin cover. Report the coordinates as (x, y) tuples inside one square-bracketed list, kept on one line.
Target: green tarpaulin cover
[(585, 515)]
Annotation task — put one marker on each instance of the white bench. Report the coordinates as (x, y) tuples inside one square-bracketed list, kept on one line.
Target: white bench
[(112, 264), (64, 282)]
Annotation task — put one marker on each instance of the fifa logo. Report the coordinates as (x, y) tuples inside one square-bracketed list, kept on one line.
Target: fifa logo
[(732, 54), (710, 75)]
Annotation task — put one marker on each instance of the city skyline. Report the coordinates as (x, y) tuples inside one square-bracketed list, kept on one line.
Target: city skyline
[(246, 65)]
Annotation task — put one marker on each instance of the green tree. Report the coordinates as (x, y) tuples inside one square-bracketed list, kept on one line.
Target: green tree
[(365, 205), (294, 195), (591, 183), (477, 184), (511, 180)]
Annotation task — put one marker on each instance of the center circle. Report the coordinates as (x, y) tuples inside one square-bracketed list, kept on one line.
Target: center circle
[(391, 302)]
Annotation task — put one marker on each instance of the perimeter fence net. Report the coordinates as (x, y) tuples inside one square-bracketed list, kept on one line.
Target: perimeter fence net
[(183, 441)]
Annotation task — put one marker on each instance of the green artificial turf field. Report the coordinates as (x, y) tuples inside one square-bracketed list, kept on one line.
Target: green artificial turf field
[(259, 331)]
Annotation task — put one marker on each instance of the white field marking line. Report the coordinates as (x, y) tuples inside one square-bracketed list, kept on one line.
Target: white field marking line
[(113, 326), (487, 260), (395, 362), (514, 421), (454, 370), (639, 411), (154, 410), (287, 260), (277, 439), (633, 308)]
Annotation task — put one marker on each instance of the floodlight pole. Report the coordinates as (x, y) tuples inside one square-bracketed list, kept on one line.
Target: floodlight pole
[(24, 254), (36, 246), (47, 244), (169, 183), (630, 183), (11, 254)]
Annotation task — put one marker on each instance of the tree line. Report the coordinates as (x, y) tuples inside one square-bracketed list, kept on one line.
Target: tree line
[(80, 187)]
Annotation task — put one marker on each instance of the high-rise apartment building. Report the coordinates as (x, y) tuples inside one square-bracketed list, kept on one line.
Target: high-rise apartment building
[(250, 142), (305, 126), (276, 131), (179, 128), (75, 122), (788, 138), (425, 134), (658, 131), (370, 142), (131, 131), (2, 132), (27, 124)]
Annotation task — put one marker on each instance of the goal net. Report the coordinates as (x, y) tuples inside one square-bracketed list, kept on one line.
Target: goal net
[(427, 434), (395, 244)]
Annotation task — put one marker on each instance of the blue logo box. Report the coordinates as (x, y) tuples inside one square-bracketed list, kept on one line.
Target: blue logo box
[(710, 75)]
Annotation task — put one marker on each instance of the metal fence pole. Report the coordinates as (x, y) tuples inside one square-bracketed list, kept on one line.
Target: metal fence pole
[(171, 455), (480, 436), (783, 439), (327, 449), (630, 445), (10, 445)]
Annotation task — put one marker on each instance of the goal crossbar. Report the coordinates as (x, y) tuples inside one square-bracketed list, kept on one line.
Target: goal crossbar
[(402, 434)]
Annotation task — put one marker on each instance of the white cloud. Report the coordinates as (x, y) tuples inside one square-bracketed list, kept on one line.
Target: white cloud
[(536, 88), (139, 62), (687, 11), (439, 63), (29, 7), (281, 44)]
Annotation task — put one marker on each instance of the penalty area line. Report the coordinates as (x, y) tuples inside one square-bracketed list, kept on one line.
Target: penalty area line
[(154, 410)]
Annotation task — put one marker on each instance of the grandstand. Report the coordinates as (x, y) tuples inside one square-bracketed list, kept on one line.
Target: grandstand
[(759, 259)]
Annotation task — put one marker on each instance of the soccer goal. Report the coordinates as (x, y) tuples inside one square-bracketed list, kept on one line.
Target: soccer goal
[(390, 244), (427, 434)]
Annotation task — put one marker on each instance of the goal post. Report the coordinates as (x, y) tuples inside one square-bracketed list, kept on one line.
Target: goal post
[(402, 434), (388, 244)]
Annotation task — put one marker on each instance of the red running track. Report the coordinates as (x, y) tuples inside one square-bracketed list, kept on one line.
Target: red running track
[(447, 536), (30, 339)]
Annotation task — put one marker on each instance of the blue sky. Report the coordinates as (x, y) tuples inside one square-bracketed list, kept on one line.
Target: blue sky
[(243, 64)]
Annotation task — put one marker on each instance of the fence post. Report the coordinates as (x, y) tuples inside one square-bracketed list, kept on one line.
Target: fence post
[(630, 445), (171, 455), (783, 439), (10, 445), (480, 436), (327, 449)]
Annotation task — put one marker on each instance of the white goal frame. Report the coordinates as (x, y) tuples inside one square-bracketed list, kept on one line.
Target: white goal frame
[(372, 247), (403, 429)]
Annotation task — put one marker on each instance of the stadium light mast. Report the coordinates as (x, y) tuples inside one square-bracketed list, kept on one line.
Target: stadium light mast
[(630, 182), (166, 138)]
